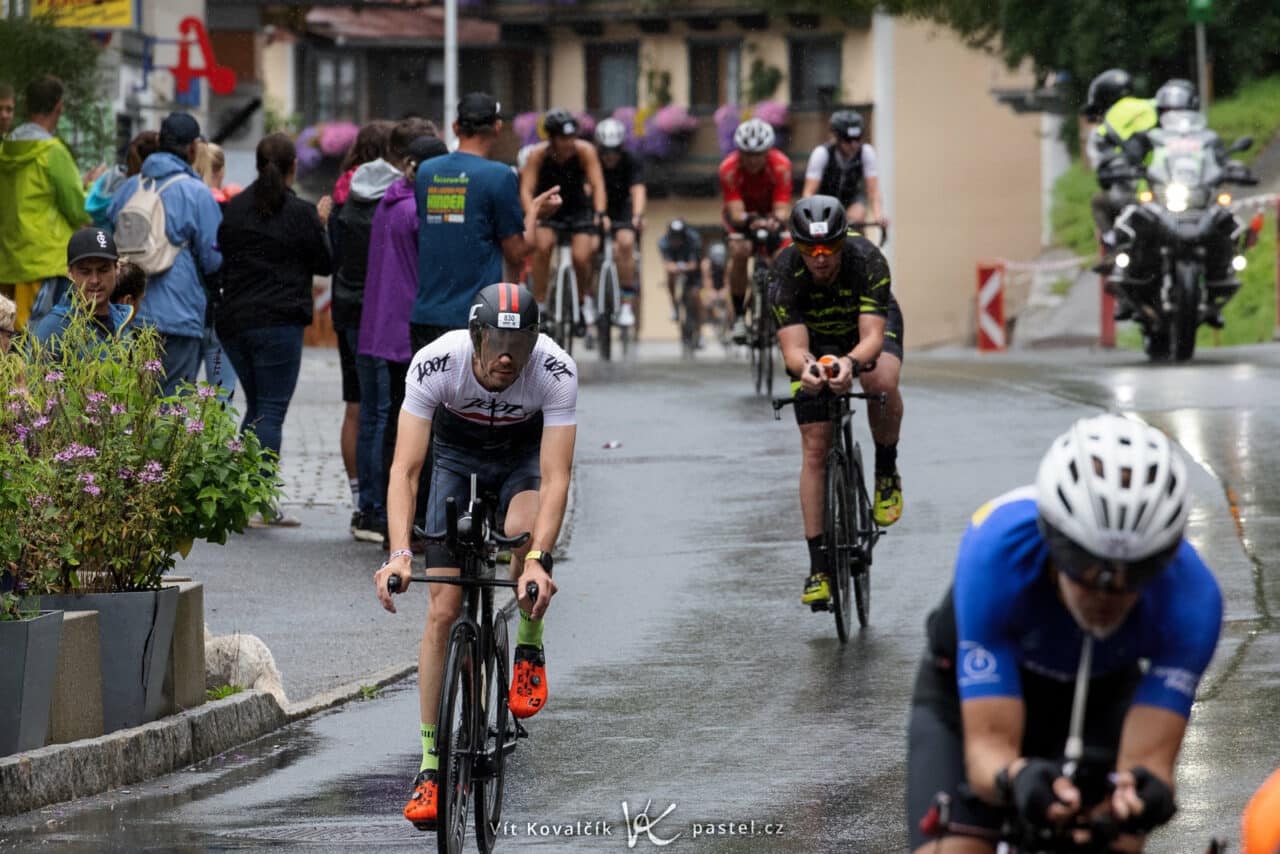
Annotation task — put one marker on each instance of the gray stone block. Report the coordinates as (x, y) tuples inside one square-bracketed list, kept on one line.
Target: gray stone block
[(76, 711), (184, 686)]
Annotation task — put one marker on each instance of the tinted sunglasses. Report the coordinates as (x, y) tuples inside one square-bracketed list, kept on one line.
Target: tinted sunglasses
[(816, 249), (1103, 574)]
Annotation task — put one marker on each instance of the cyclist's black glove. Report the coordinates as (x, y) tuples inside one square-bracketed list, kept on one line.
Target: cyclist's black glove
[(1157, 801), (1032, 790)]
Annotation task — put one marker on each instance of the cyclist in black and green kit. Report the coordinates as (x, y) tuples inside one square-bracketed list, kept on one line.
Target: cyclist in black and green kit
[(831, 295)]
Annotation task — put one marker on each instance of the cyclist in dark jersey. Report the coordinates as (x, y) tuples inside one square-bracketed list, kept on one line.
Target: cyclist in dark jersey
[(831, 295), (1093, 550), (624, 184), (571, 164), (846, 168)]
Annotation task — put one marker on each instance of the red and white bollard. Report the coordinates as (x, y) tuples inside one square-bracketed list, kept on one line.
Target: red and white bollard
[(991, 328), (1107, 321)]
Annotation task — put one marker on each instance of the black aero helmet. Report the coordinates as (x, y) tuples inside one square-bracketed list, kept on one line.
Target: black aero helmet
[(1176, 94), (1107, 88), (504, 319), (846, 124), (560, 122), (818, 219)]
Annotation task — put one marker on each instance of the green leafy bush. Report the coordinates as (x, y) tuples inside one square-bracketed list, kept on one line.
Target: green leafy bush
[(103, 480)]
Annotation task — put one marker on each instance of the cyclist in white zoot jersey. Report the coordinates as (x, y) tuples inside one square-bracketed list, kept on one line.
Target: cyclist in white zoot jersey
[(499, 400)]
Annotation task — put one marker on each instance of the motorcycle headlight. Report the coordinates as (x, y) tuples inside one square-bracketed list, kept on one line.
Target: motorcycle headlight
[(1238, 263), (1176, 197)]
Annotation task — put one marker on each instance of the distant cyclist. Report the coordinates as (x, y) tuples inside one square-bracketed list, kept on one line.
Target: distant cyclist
[(571, 164), (624, 182), (755, 183), (846, 168), (499, 400), (715, 269), (1094, 548), (831, 295), (681, 251)]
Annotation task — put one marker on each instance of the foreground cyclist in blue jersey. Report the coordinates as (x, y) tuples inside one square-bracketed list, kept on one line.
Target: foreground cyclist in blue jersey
[(1094, 547), (498, 400)]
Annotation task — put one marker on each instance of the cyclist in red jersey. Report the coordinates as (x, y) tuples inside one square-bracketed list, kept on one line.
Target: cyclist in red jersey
[(755, 182)]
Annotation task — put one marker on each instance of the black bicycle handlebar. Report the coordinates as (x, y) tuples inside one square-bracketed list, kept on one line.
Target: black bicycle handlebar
[(530, 588), (883, 226)]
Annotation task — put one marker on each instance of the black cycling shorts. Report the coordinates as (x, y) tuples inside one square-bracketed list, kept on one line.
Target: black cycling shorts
[(811, 408), (620, 219), (577, 222), (505, 476), (935, 734)]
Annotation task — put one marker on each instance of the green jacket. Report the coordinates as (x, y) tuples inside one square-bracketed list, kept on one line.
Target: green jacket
[(41, 204), (1129, 116)]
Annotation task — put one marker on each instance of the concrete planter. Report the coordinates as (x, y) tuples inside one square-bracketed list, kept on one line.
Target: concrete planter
[(28, 663), (136, 631)]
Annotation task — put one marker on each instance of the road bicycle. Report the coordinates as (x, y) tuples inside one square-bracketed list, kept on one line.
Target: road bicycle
[(609, 296), (756, 315), (1088, 768), (565, 313), (475, 730), (689, 311), (850, 532)]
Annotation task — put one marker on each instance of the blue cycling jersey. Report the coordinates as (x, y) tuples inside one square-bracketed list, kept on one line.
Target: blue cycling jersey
[(1009, 615)]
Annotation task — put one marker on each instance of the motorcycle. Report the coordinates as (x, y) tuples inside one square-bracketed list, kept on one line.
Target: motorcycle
[(1179, 246)]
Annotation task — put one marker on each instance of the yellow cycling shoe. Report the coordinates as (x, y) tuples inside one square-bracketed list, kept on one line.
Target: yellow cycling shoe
[(817, 592), (888, 507)]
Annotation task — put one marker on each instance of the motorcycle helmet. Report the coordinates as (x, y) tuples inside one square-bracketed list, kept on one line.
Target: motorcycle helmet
[(818, 219), (846, 124), (559, 122), (610, 134), (1107, 88), (1176, 94), (504, 319), (754, 136), (1112, 499)]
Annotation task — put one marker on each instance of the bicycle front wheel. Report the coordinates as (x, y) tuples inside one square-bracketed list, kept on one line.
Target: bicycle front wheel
[(863, 540), (456, 738), (836, 544), (496, 717)]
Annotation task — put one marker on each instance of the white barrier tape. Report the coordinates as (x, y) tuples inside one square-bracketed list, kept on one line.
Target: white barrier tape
[(1046, 266), (1264, 200)]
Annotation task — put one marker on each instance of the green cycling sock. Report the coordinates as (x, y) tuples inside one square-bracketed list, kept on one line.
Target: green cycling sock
[(529, 631), (429, 759)]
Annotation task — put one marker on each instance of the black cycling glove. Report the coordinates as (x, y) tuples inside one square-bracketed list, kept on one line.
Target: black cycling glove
[(1032, 790), (1157, 801)]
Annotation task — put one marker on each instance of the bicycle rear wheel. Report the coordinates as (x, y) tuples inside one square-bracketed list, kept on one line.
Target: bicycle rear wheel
[(496, 716), (456, 739), (836, 545), (562, 326), (863, 540)]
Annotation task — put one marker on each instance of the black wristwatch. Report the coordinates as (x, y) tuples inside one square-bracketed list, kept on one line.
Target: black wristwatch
[(544, 559)]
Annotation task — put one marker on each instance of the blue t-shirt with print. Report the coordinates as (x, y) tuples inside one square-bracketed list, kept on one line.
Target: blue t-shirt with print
[(467, 206)]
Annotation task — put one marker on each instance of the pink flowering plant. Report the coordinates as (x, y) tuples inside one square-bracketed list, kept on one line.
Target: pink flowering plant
[(103, 480)]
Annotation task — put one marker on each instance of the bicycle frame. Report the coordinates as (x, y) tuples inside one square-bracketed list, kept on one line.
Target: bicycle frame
[(477, 653), (608, 289), (565, 287)]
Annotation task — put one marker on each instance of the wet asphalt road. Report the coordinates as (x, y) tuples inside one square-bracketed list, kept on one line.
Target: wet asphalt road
[(683, 670)]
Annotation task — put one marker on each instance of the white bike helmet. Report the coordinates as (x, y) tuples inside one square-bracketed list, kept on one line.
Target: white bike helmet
[(1112, 496), (754, 136), (611, 133)]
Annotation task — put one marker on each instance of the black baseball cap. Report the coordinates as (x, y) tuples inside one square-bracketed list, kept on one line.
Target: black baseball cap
[(178, 130), (427, 147), (478, 109), (91, 243)]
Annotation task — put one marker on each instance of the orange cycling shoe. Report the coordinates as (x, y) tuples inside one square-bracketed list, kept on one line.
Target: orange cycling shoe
[(528, 682), (422, 806)]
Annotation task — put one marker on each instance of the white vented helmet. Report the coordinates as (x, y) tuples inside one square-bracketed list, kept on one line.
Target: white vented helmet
[(754, 136), (611, 133), (1115, 487)]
